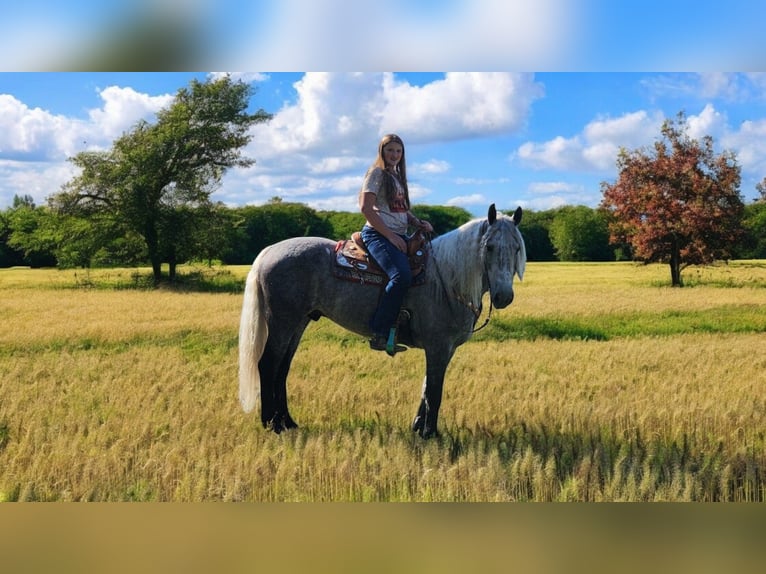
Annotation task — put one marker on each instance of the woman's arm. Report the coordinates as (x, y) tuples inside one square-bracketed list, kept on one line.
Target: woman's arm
[(419, 223)]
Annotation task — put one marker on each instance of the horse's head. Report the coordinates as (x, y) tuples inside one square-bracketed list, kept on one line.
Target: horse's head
[(504, 255)]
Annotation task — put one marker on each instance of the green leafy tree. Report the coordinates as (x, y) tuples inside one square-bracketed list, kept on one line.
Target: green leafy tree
[(753, 243), (32, 232), (442, 218), (260, 226), (677, 203), (343, 223), (579, 233), (156, 175), (9, 256), (536, 228)]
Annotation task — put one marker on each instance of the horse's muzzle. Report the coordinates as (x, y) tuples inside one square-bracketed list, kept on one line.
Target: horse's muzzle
[(502, 299)]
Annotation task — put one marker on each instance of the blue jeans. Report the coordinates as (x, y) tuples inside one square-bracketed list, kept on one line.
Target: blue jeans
[(397, 267)]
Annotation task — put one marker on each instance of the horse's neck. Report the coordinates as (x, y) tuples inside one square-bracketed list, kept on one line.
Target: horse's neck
[(457, 254)]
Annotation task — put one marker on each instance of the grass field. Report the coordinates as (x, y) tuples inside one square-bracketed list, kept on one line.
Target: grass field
[(599, 383)]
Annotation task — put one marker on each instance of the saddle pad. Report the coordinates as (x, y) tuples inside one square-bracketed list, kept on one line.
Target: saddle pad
[(353, 263)]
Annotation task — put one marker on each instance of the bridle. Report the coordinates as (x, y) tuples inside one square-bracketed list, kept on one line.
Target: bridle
[(460, 299)]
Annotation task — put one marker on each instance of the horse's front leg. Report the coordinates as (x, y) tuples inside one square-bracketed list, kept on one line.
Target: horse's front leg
[(433, 386)]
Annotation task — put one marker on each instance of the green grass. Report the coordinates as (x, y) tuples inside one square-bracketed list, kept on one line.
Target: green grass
[(746, 318)]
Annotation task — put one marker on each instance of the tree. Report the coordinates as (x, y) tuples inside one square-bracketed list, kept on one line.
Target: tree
[(677, 203), (579, 233), (156, 175), (753, 242), (535, 228), (259, 227), (32, 232), (443, 218)]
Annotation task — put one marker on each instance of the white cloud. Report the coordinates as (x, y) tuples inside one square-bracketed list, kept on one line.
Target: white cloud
[(335, 164), (335, 123), (45, 140), (36, 179), (461, 105), (596, 148), (709, 122), (481, 181), (122, 108), (749, 143), (727, 86), (33, 133), (549, 187), (544, 203), (472, 200), (346, 113), (38, 134), (559, 153), (431, 167), (331, 130), (552, 194)]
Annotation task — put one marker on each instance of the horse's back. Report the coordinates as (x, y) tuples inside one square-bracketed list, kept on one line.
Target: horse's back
[(297, 278), (295, 251)]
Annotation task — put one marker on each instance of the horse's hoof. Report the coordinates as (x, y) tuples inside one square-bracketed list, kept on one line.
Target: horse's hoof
[(419, 426), (290, 424), (279, 424)]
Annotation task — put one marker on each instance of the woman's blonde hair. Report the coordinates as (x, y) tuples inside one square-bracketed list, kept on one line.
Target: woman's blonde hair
[(401, 168)]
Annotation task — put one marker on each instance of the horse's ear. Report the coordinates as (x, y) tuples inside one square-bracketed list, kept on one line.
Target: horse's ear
[(492, 214), (517, 216)]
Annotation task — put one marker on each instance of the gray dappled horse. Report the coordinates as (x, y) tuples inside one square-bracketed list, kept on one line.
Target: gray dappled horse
[(292, 283)]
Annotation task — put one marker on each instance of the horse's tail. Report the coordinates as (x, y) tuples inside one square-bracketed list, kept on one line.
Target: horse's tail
[(253, 332)]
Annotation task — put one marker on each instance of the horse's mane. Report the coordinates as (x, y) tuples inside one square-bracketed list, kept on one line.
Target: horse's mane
[(458, 265), (455, 261)]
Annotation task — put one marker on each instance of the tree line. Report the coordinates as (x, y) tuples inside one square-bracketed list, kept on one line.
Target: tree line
[(36, 236), (39, 236), (147, 200)]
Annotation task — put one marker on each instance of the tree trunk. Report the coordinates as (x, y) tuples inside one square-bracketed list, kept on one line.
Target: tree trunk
[(675, 267), (153, 250), (172, 263), (156, 269)]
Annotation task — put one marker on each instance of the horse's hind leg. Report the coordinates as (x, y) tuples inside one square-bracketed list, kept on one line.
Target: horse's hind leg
[(274, 367)]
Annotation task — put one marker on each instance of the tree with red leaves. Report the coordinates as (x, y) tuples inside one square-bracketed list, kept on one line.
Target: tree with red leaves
[(678, 203)]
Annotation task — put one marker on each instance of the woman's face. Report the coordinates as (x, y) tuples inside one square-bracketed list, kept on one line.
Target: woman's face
[(392, 153)]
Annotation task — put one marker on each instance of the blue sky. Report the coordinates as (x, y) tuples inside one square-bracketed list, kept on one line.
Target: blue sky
[(536, 140)]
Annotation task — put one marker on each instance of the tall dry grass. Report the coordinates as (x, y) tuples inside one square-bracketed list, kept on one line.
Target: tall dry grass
[(598, 383)]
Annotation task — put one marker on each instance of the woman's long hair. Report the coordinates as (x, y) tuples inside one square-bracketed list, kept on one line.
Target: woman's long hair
[(400, 169)]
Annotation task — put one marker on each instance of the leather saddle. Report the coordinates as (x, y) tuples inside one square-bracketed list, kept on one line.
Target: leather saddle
[(354, 263)]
